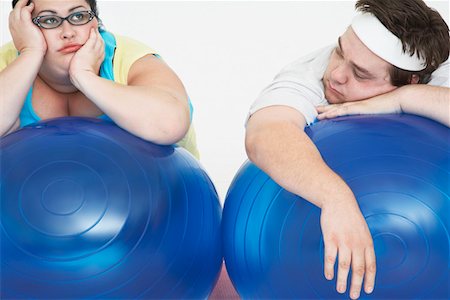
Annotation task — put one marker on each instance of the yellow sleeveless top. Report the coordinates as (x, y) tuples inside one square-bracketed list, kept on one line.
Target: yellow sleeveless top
[(127, 52)]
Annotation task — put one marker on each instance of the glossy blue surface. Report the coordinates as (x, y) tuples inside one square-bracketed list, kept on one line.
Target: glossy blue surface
[(90, 211), (398, 167)]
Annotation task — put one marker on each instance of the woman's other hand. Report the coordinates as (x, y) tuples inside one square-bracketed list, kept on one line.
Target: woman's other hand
[(27, 37), (89, 58)]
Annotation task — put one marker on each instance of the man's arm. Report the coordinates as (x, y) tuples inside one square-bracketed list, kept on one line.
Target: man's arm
[(419, 99), (276, 142)]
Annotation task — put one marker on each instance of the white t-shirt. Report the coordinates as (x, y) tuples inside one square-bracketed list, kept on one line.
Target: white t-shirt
[(299, 84)]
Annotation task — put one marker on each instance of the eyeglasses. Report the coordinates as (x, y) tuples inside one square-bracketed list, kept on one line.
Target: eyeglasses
[(77, 19)]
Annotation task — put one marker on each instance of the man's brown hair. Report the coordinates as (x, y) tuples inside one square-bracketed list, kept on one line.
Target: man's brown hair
[(421, 29)]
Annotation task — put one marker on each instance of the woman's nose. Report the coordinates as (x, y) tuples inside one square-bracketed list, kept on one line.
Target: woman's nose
[(67, 31)]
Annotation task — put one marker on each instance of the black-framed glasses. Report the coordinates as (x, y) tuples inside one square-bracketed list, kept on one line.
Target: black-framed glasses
[(77, 19)]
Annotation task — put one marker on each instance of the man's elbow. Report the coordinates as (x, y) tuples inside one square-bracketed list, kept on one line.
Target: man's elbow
[(254, 145)]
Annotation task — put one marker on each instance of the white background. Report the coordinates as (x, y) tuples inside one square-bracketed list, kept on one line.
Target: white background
[(225, 53)]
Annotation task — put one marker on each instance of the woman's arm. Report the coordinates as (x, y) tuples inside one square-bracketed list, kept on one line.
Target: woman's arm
[(153, 105), (17, 78), (419, 99)]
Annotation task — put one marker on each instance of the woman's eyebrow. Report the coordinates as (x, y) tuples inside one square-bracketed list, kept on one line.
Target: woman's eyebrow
[(72, 9), (54, 12), (47, 11)]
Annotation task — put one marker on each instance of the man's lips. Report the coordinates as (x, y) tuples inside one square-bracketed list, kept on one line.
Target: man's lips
[(70, 48)]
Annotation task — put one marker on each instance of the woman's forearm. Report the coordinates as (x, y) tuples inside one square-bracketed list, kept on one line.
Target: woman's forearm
[(151, 113), (15, 82)]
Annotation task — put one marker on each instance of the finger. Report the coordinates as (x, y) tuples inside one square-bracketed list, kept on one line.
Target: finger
[(358, 270), (371, 269), (29, 7), (17, 9), (329, 260), (99, 40), (90, 43), (25, 12), (344, 258), (322, 116), (21, 4), (322, 108), (328, 114)]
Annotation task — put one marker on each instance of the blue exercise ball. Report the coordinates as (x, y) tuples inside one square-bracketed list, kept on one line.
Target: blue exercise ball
[(398, 167), (91, 211)]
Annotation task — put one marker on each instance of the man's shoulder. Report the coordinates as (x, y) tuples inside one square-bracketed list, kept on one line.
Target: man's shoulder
[(440, 77)]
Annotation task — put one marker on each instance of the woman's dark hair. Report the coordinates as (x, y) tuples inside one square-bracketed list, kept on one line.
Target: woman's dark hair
[(92, 4), (420, 28)]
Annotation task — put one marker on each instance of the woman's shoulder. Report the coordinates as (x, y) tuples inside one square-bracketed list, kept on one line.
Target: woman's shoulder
[(128, 51), (8, 53), (127, 44)]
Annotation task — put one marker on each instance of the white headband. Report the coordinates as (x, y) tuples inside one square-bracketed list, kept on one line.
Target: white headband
[(384, 43)]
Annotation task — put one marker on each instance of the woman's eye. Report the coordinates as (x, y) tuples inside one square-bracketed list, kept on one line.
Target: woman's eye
[(77, 17), (49, 20)]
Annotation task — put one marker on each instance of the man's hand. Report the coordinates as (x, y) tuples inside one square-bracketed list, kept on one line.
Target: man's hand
[(347, 236), (382, 104), (88, 58), (27, 37)]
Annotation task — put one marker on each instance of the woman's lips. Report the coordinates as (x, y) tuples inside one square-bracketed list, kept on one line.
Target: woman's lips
[(70, 48)]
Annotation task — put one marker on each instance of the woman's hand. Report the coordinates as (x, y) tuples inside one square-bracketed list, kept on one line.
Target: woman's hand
[(88, 59), (383, 104), (26, 36)]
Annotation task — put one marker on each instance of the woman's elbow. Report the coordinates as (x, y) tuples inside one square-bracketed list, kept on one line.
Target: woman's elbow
[(169, 129)]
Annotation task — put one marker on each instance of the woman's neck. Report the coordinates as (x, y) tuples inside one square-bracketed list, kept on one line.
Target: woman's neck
[(61, 84)]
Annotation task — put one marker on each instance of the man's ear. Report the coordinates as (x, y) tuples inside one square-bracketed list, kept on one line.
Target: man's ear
[(414, 79)]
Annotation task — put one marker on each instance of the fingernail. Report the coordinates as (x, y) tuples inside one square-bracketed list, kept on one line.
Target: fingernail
[(355, 295), (341, 288), (329, 276), (369, 289)]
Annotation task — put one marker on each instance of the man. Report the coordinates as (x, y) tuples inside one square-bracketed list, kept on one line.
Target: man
[(379, 65)]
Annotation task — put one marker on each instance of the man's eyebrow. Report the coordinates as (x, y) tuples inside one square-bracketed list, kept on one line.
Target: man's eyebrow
[(362, 70), (54, 12), (358, 68)]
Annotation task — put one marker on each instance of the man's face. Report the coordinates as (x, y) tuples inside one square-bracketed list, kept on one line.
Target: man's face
[(354, 72)]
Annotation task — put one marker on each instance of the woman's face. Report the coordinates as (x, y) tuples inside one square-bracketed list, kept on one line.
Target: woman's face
[(64, 41)]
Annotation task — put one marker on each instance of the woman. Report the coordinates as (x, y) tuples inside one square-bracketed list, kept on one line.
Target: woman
[(68, 66)]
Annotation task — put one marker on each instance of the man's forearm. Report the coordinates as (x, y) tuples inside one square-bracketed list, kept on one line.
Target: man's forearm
[(425, 100), (290, 158)]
